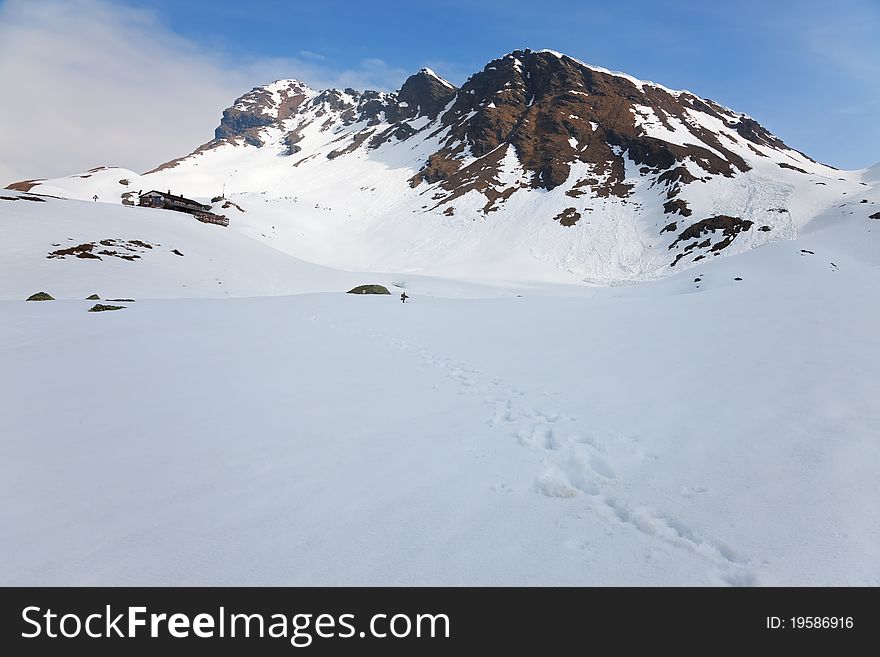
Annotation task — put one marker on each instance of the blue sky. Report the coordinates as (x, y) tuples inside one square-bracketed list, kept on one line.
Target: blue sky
[(808, 70)]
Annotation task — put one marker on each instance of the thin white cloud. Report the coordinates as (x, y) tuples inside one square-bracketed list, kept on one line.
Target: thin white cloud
[(847, 38), (308, 54), (91, 82)]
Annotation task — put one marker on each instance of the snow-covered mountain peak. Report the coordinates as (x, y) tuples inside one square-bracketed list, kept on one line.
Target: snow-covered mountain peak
[(430, 72), (538, 166)]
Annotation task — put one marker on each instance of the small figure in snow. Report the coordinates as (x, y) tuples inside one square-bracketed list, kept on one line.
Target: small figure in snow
[(95, 197), (403, 297)]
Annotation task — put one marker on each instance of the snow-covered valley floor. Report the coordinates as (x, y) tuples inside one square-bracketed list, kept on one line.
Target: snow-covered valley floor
[(717, 432)]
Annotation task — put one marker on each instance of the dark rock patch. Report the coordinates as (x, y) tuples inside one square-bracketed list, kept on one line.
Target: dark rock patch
[(568, 217), (292, 139), (176, 252), (671, 227), (424, 94), (242, 124), (116, 254), (78, 251), (678, 206), (93, 297), (876, 215), (369, 289), (23, 198), (756, 133), (764, 229), (24, 185), (41, 296), (100, 308), (676, 175), (698, 245), (784, 165), (116, 248), (730, 227)]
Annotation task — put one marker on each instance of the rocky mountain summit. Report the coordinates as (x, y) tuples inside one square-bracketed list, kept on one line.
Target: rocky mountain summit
[(589, 171)]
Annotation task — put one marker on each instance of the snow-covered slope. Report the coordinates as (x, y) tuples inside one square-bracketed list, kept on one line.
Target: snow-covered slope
[(540, 168), (715, 422), (713, 431), (76, 248), (72, 249)]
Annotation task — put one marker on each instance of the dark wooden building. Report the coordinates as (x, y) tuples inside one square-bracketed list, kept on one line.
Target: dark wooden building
[(169, 201)]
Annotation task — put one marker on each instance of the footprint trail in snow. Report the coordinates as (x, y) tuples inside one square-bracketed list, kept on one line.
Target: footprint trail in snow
[(577, 465)]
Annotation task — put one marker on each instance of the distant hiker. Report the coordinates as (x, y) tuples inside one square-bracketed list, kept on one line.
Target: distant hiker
[(403, 297), (95, 197)]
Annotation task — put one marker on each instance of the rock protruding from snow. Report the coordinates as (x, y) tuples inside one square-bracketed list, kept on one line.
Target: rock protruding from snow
[(425, 93), (369, 289)]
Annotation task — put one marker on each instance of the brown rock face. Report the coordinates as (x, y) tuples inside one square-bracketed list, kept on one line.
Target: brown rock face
[(424, 95), (678, 206), (24, 185), (259, 109), (568, 217), (556, 111)]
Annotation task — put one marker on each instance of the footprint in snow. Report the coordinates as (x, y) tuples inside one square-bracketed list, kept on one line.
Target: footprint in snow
[(577, 466)]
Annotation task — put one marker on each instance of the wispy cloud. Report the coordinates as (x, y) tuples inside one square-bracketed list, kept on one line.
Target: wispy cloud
[(88, 82), (308, 54), (846, 38)]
